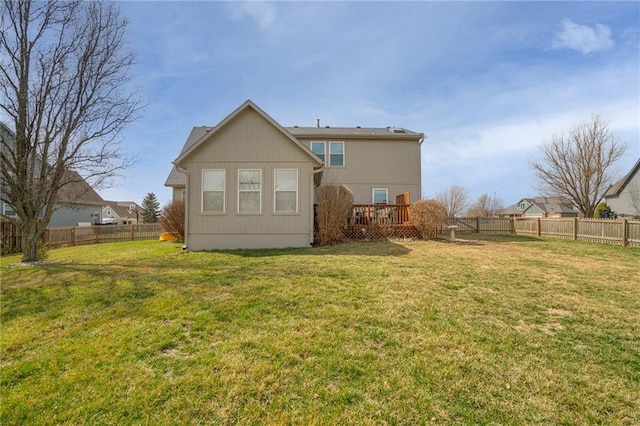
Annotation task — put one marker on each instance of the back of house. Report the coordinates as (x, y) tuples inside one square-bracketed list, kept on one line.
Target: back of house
[(248, 182)]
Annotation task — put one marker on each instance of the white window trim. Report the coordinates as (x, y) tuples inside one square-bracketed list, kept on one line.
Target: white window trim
[(324, 149), (373, 195), (328, 154), (259, 191), (224, 191), (297, 192)]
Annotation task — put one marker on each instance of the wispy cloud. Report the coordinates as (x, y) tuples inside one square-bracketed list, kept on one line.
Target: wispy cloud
[(583, 38), (263, 13)]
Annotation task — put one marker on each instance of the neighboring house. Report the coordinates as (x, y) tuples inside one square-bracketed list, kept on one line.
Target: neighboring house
[(76, 203), (120, 213), (623, 197), (550, 207), (250, 183)]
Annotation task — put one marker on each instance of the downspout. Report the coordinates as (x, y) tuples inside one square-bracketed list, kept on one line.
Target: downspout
[(312, 193), (420, 162), (186, 205)]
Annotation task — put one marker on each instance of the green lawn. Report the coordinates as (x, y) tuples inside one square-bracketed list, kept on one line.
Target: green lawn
[(504, 330)]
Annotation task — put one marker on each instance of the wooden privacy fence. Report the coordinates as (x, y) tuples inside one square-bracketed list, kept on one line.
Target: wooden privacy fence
[(482, 225), (608, 231), (11, 238)]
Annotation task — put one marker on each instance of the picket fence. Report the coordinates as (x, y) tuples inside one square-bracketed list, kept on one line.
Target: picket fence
[(622, 232)]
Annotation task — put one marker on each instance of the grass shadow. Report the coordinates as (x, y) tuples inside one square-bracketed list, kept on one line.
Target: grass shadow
[(492, 238), (351, 248)]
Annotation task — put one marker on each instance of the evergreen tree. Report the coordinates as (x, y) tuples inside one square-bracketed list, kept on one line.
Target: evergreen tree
[(150, 208)]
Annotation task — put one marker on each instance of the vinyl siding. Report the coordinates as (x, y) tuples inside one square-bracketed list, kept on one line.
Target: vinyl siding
[(249, 142), (623, 204), (375, 163)]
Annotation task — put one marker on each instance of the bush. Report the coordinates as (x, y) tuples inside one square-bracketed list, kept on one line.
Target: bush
[(428, 216), (334, 205), (172, 218)]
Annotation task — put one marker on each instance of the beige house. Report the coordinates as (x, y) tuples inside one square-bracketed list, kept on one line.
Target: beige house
[(250, 183), (623, 197)]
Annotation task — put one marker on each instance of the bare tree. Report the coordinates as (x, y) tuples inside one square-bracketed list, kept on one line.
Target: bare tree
[(334, 205), (455, 199), (576, 165), (172, 219), (428, 216), (485, 206), (64, 77)]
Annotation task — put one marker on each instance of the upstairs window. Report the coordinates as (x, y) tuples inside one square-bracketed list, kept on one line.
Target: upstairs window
[(286, 191), (318, 149), (213, 187), (249, 191), (336, 154)]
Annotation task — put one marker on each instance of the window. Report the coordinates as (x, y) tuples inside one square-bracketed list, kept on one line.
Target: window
[(318, 149), (286, 191), (336, 154), (213, 187), (249, 191), (380, 195)]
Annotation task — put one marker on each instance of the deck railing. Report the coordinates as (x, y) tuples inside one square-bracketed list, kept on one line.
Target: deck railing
[(379, 215)]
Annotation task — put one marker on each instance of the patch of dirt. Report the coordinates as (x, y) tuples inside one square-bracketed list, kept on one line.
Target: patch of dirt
[(546, 328), (174, 353), (559, 312), (27, 264)]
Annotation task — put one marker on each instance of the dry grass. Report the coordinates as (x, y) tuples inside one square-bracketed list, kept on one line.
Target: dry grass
[(508, 330)]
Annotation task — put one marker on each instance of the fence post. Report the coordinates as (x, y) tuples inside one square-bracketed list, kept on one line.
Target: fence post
[(575, 228), (95, 233), (538, 227), (132, 232), (625, 231), (477, 224), (73, 236)]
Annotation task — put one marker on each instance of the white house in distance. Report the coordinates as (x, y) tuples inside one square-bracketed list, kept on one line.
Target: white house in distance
[(249, 182), (623, 197), (120, 213)]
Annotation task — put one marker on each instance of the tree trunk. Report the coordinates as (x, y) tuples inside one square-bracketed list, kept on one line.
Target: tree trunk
[(31, 235)]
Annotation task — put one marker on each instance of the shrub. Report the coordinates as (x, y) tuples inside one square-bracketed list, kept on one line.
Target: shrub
[(428, 216), (172, 218), (334, 205)]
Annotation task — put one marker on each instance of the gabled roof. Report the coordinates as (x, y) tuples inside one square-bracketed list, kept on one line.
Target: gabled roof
[(123, 208), (201, 134), (176, 178), (548, 204), (78, 191), (615, 189)]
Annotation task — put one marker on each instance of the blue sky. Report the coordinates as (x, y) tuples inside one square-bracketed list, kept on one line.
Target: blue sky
[(487, 82)]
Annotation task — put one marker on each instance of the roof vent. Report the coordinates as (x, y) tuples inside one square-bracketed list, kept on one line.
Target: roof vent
[(358, 127), (399, 131), (295, 127), (327, 127)]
